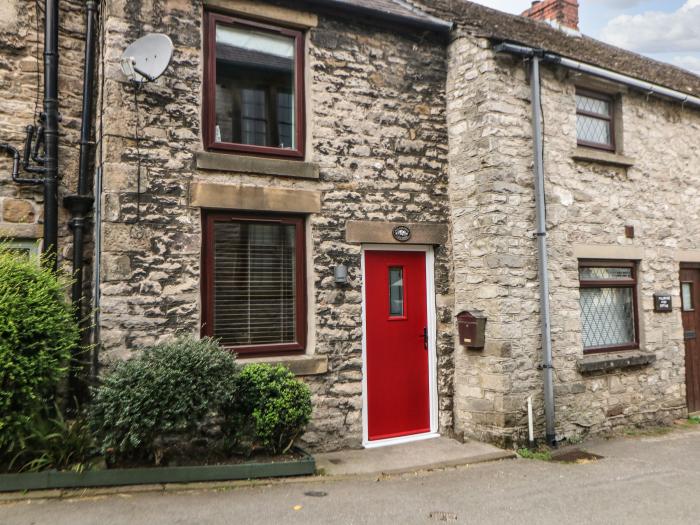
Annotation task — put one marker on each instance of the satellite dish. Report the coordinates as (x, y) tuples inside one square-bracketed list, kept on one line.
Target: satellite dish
[(147, 58)]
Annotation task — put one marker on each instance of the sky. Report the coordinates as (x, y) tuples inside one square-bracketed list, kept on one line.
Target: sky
[(667, 30)]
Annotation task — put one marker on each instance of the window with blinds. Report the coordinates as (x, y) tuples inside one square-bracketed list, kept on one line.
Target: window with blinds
[(255, 283)]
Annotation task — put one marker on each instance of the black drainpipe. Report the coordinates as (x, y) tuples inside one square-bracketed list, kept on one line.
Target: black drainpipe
[(81, 203), (51, 120)]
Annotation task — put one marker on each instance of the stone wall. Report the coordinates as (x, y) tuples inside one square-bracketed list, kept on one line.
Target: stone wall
[(495, 267), (21, 83), (376, 117), (588, 204)]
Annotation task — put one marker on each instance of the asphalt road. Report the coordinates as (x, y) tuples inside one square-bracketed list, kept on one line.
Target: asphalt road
[(652, 479)]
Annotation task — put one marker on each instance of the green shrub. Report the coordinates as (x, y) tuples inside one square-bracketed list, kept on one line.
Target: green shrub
[(170, 391), (37, 333), (275, 405), (55, 442)]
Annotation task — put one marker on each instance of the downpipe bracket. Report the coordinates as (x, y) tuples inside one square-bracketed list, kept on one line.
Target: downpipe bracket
[(78, 205)]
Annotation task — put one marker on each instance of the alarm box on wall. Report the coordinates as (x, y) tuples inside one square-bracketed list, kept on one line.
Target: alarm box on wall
[(472, 330)]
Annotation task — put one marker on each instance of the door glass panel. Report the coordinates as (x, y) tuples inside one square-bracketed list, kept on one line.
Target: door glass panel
[(687, 296), (396, 291)]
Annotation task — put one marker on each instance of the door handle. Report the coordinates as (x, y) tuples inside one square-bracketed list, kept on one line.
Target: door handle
[(425, 338)]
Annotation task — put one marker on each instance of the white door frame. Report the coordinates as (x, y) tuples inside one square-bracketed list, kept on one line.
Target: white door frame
[(432, 347)]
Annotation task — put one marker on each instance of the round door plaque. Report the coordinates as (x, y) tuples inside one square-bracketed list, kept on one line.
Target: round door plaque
[(401, 233)]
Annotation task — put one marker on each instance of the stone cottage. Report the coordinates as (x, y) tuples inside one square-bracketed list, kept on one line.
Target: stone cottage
[(349, 187)]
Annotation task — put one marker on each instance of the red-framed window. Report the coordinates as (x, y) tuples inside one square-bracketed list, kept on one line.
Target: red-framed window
[(253, 87), (595, 122), (254, 282), (609, 310)]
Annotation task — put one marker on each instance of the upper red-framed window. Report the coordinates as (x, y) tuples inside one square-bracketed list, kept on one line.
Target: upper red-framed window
[(253, 87)]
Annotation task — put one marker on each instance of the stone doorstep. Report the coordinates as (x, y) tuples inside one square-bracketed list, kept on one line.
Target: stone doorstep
[(428, 454)]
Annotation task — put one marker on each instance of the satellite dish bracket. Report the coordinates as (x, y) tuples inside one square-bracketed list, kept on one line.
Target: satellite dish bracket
[(129, 67)]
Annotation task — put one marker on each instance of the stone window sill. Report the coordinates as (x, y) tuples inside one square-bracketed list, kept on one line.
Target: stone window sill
[(602, 157), (614, 361), (300, 365), (207, 160)]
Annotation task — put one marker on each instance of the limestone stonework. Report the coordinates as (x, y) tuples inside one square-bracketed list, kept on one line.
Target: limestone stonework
[(589, 202), (377, 136), (404, 126), (21, 85)]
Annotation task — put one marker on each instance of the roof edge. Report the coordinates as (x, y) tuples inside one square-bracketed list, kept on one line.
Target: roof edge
[(640, 84), (429, 22)]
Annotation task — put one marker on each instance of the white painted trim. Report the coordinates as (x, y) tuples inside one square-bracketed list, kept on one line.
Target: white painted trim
[(400, 440), (432, 344)]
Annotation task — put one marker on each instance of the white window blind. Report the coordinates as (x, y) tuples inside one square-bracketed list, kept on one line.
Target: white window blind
[(254, 283)]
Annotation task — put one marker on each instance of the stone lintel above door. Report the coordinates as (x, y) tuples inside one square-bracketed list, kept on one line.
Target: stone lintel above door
[(380, 232)]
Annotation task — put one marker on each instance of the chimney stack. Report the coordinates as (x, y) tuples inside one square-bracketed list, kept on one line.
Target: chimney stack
[(560, 12)]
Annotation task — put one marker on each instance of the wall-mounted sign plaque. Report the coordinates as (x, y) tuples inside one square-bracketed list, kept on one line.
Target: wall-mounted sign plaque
[(401, 233), (663, 302)]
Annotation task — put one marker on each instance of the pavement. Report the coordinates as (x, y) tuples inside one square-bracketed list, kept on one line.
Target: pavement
[(640, 479), (428, 454)]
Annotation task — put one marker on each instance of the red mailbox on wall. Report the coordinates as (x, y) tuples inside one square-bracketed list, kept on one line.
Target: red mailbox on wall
[(472, 330)]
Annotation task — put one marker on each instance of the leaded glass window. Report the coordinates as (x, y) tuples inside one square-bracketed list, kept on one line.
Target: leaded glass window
[(594, 120), (608, 305)]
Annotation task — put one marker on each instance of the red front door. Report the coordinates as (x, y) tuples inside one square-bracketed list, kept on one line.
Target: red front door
[(396, 316)]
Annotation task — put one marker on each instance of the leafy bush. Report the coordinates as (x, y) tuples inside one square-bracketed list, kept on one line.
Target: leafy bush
[(170, 391), (275, 405), (55, 442), (37, 332)]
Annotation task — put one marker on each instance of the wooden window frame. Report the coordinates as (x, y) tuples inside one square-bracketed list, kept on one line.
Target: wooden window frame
[(211, 18), (613, 283), (609, 118), (209, 217)]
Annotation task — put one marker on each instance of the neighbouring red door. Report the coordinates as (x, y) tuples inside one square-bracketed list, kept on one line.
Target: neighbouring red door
[(396, 316)]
